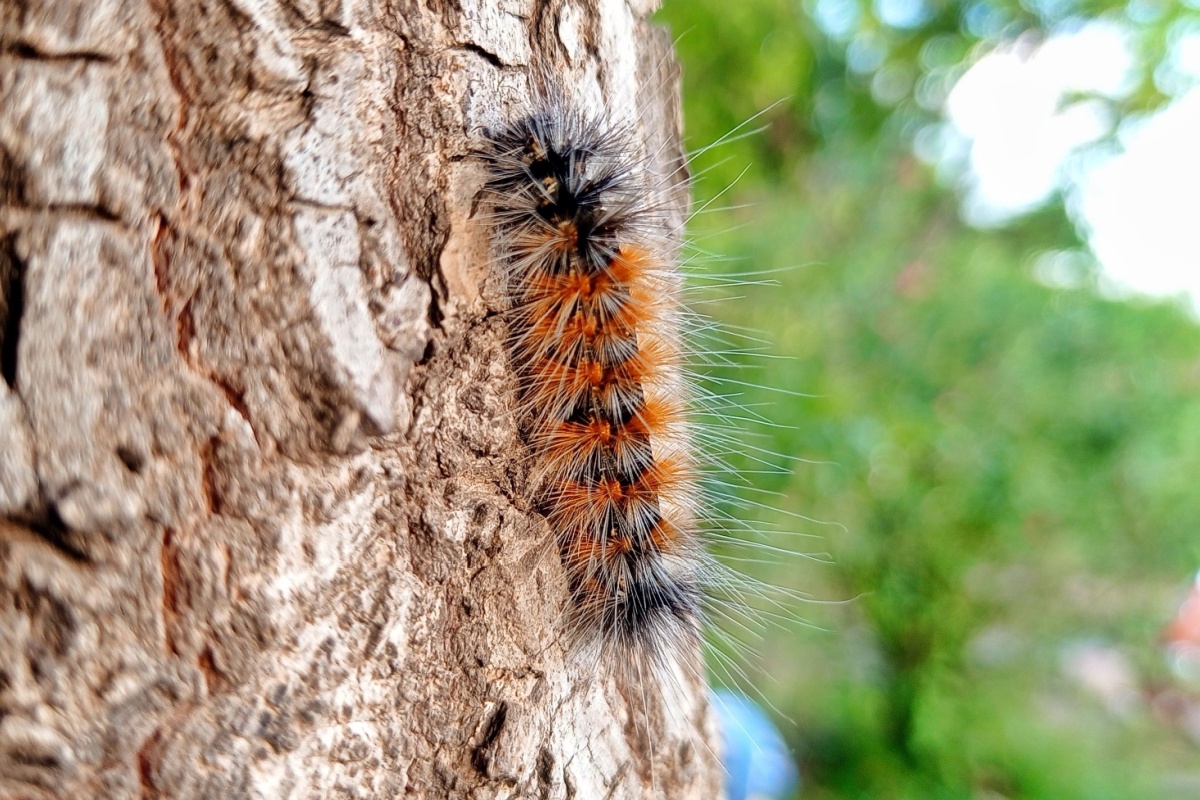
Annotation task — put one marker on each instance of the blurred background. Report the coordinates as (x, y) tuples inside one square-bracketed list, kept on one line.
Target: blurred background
[(969, 234)]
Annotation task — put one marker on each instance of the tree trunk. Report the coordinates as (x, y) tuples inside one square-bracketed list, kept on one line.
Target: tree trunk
[(263, 521)]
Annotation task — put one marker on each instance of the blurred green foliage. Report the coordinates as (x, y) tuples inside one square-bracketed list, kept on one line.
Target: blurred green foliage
[(1003, 468), (839, 71)]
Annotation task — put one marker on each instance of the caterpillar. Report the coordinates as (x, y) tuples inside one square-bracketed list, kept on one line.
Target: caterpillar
[(595, 328)]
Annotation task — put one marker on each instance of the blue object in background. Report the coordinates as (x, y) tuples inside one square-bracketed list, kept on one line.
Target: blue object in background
[(756, 759)]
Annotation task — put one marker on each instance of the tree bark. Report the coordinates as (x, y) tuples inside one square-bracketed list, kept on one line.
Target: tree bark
[(264, 529)]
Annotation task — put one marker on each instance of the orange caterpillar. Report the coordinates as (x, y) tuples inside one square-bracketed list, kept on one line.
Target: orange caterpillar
[(595, 331)]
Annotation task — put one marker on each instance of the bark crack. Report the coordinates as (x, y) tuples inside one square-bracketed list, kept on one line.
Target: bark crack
[(158, 259), (485, 54), (145, 766), (74, 211), (208, 478), (26, 51), (484, 752), (12, 290), (170, 589)]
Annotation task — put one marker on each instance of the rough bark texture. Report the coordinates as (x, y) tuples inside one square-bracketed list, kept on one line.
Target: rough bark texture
[(263, 528)]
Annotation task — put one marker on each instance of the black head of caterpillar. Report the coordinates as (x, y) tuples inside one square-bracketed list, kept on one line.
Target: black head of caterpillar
[(594, 340), (575, 175)]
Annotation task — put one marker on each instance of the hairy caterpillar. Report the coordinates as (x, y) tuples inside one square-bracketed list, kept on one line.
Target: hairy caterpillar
[(594, 338)]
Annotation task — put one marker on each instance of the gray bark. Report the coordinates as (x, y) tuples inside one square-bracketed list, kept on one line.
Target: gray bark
[(263, 529)]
